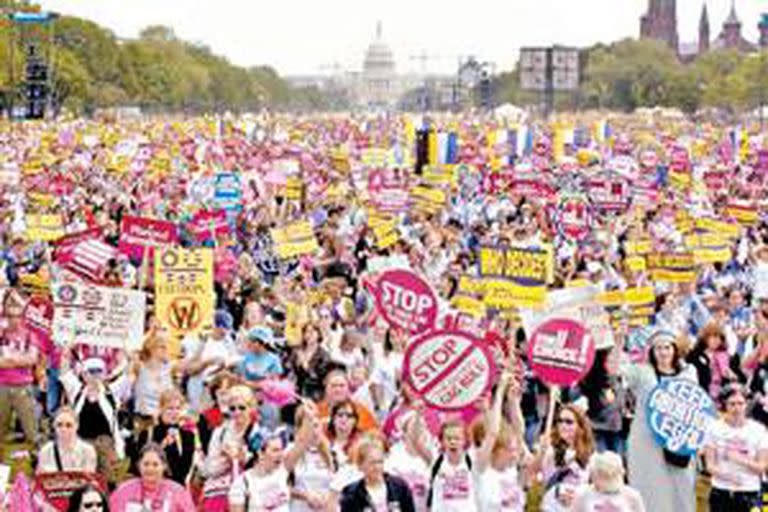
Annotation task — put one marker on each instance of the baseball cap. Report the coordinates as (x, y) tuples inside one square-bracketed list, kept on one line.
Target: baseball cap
[(223, 320), (262, 334)]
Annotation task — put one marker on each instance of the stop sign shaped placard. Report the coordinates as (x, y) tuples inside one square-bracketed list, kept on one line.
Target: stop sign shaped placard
[(561, 351), (449, 370), (406, 301)]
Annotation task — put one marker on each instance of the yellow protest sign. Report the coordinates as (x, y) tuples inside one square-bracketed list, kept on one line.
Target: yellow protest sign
[(635, 263), (44, 227), (638, 247), (427, 200), (723, 228), (184, 289), (442, 176), (469, 305), (295, 239), (503, 294), (529, 266), (672, 267), (296, 316), (293, 188)]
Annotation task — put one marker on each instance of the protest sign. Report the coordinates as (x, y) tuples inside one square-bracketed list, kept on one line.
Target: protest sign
[(184, 289), (295, 239), (427, 200), (388, 190), (679, 414), (449, 370), (207, 225), (38, 316), (609, 192), (71, 240), (709, 247), (140, 236), (44, 227), (561, 351), (58, 487), (532, 266), (672, 267), (574, 217), (228, 192), (406, 301), (98, 315)]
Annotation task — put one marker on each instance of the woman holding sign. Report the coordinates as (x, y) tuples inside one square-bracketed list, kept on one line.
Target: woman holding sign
[(666, 481)]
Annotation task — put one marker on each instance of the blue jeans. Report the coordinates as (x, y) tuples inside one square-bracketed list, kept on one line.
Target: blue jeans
[(53, 395), (605, 440), (532, 424)]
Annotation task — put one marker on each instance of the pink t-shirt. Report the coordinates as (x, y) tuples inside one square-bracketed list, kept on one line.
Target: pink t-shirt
[(133, 496), (15, 342)]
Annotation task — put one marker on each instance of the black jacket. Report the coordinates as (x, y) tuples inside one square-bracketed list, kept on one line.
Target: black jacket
[(179, 463), (355, 498), (701, 361)]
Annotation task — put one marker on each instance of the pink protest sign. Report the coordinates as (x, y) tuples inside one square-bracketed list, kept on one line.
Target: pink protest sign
[(762, 160), (574, 217), (561, 351), (449, 370), (205, 224), (136, 233), (38, 316), (406, 301)]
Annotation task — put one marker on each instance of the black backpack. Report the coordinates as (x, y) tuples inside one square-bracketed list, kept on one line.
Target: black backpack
[(436, 469)]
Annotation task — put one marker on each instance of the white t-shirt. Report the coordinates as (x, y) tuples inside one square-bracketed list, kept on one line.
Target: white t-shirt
[(311, 473), (378, 496), (385, 374), (590, 500), (747, 440), (413, 470), (211, 349), (453, 489), (500, 491), (270, 492)]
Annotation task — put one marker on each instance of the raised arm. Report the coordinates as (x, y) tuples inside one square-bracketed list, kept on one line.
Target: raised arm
[(492, 423)]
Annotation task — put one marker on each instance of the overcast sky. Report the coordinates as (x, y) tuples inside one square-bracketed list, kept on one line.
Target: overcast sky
[(304, 36)]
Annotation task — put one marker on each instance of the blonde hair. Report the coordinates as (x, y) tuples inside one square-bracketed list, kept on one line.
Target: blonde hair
[(609, 469), (154, 339), (170, 396), (242, 392), (364, 447), (66, 410)]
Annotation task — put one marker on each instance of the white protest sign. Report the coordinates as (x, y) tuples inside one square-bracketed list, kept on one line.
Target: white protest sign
[(98, 315)]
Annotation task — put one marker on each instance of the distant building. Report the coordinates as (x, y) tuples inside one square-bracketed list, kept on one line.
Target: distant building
[(378, 85), (660, 23)]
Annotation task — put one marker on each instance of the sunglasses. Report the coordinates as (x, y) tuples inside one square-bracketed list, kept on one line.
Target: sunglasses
[(233, 408), (93, 504)]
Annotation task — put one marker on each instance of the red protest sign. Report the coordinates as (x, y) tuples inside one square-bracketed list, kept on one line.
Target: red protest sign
[(205, 225), (136, 233), (574, 217), (561, 351), (57, 488), (449, 370), (38, 316), (406, 301)]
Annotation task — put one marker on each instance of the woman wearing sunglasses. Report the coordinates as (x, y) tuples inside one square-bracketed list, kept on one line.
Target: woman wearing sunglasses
[(151, 492), (88, 499), (67, 452), (564, 458), (232, 448)]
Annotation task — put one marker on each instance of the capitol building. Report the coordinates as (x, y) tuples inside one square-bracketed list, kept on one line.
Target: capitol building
[(379, 85)]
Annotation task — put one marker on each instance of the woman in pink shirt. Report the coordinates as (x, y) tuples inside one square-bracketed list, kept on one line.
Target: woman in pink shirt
[(152, 491)]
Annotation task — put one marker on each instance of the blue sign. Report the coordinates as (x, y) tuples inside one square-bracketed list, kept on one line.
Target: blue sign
[(228, 192), (679, 414)]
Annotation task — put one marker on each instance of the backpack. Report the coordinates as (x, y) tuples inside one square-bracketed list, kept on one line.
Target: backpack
[(436, 469)]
